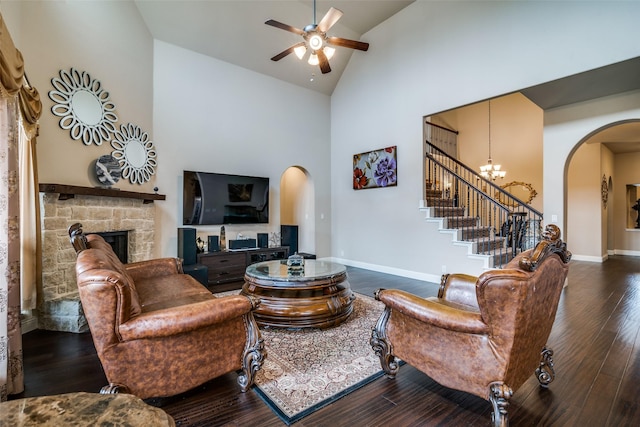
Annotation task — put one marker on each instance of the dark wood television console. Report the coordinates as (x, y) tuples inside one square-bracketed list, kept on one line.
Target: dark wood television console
[(226, 268)]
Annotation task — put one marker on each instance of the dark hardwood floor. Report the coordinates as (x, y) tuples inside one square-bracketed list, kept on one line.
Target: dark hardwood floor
[(597, 360)]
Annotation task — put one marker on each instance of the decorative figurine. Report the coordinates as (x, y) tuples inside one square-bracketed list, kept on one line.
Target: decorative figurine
[(199, 245), (295, 265)]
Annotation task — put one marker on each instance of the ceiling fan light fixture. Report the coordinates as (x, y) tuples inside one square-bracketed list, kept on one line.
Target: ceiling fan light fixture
[(329, 51), (300, 51), (316, 42)]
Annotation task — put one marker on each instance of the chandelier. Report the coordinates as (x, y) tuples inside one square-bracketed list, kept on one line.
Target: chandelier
[(491, 171)]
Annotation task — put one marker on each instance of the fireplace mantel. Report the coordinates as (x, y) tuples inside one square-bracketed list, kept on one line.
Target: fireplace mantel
[(69, 191)]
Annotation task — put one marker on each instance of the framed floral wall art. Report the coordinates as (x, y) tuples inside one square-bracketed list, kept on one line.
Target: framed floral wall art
[(377, 168)]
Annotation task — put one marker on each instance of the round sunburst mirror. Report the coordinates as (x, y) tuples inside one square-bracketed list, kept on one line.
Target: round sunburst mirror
[(83, 106), (135, 152)]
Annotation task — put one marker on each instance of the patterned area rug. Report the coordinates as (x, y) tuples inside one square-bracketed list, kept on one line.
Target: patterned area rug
[(307, 369)]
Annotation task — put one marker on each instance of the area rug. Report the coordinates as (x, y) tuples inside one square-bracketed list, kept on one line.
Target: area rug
[(308, 368)]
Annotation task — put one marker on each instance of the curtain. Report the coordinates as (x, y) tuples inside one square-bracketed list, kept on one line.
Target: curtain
[(29, 220), (11, 372), (11, 64), (30, 241), (20, 109)]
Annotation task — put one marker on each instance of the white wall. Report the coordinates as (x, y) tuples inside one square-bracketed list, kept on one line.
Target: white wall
[(584, 215), (432, 57), (107, 39), (565, 130), (212, 116)]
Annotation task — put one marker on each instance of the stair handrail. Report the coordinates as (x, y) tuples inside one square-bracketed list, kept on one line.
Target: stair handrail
[(470, 184), (441, 127), (510, 224), (478, 177)]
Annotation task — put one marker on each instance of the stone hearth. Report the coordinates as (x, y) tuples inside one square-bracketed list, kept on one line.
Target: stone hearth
[(60, 309)]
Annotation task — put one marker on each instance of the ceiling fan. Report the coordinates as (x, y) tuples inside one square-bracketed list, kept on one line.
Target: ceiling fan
[(316, 40)]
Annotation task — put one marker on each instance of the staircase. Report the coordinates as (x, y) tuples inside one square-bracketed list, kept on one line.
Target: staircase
[(494, 225), (481, 240)]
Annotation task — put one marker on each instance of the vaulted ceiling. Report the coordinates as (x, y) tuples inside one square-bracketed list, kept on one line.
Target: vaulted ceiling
[(235, 32)]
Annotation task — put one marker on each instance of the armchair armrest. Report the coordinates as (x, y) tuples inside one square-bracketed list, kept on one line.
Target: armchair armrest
[(153, 268), (434, 312), (186, 318), (459, 289)]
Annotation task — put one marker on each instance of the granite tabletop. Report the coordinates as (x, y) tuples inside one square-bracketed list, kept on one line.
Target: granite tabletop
[(82, 409)]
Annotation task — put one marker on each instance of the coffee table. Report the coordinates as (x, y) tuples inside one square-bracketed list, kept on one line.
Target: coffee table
[(319, 298)]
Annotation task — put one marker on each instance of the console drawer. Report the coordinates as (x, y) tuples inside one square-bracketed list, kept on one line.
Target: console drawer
[(224, 267), (231, 274)]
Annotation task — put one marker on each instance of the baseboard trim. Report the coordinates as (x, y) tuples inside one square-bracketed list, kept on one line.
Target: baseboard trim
[(28, 323), (625, 252), (388, 270), (589, 258)]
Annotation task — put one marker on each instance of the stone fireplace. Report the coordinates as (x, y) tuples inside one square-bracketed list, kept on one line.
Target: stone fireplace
[(113, 211), (119, 241)]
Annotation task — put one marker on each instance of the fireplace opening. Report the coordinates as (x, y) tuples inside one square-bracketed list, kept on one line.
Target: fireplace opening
[(119, 241)]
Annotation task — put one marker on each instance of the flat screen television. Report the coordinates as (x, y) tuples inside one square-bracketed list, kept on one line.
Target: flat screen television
[(214, 198)]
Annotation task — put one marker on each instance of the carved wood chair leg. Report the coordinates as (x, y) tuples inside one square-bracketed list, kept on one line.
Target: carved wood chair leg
[(254, 354), (545, 372), (251, 364), (499, 395), (382, 347)]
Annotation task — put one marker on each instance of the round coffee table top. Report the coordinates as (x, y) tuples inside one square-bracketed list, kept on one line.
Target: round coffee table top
[(277, 270)]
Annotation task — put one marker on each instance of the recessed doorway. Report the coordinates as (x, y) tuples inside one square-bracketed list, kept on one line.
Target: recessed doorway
[(297, 206)]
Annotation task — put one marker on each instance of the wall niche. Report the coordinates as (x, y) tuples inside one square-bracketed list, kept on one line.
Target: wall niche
[(633, 206)]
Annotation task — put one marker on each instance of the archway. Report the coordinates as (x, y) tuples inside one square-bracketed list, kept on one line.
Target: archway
[(297, 206), (598, 169)]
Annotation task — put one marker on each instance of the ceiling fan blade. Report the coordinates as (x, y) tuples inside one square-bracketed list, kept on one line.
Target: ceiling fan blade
[(329, 19), (286, 52), (284, 27), (323, 62), (352, 44)]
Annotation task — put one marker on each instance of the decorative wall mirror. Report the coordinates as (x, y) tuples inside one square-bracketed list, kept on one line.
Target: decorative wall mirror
[(521, 190), (135, 152), (83, 106)]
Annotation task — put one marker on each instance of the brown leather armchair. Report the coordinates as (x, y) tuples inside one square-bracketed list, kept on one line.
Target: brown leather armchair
[(159, 332), (483, 335)]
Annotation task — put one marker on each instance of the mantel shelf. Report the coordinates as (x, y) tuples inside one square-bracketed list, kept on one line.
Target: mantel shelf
[(69, 191)]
